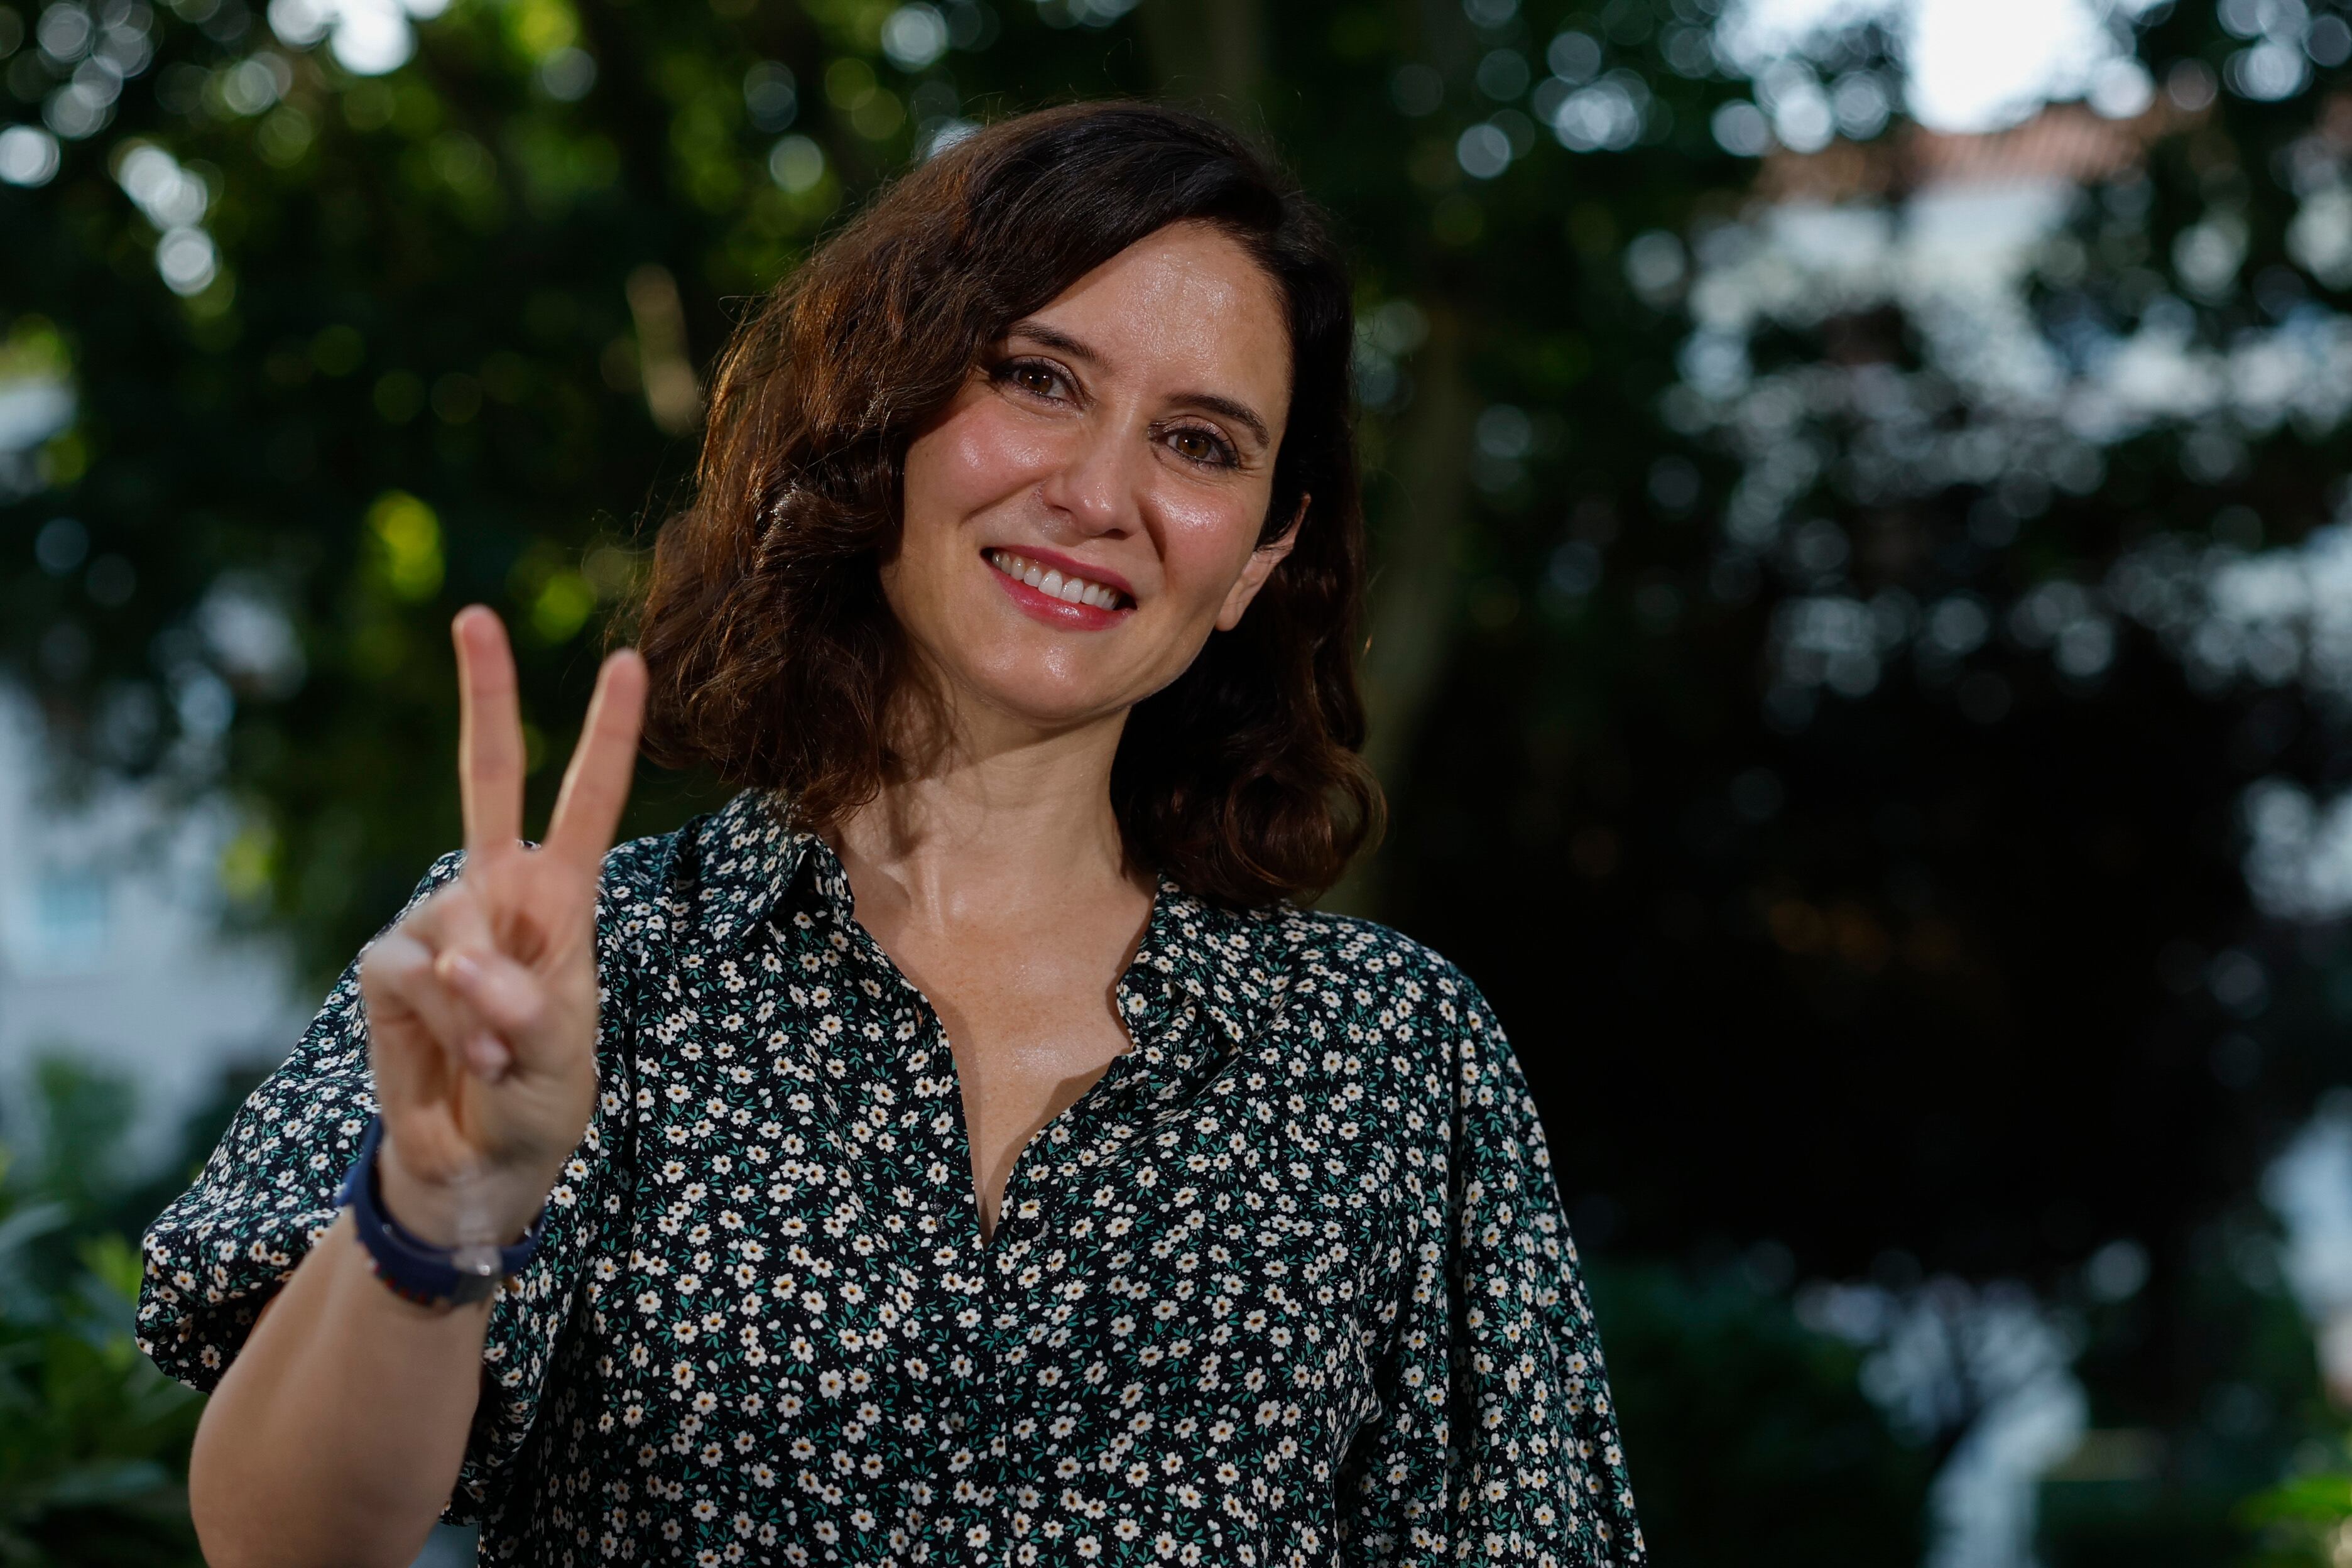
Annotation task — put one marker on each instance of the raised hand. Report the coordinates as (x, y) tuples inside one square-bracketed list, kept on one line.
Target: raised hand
[(481, 1003)]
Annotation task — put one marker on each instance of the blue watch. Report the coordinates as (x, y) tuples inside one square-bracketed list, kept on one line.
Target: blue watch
[(411, 1268)]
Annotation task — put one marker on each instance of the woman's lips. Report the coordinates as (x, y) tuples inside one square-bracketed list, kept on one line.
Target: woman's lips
[(1044, 593)]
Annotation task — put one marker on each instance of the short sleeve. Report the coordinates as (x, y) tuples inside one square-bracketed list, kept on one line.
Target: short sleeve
[(217, 1255), (1496, 1440)]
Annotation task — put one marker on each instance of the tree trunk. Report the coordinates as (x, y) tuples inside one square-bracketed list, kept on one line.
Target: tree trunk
[(1415, 577), (1209, 53)]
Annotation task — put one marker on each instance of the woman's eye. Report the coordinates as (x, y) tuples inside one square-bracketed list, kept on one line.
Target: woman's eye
[(1200, 446), (1038, 380)]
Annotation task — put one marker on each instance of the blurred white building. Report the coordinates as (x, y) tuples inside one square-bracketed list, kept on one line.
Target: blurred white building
[(111, 950)]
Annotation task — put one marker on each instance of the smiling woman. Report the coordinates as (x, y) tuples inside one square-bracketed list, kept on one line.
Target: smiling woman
[(961, 1148), (989, 305)]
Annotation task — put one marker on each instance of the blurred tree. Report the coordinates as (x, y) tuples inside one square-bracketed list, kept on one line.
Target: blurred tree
[(94, 1439), (1755, 1443)]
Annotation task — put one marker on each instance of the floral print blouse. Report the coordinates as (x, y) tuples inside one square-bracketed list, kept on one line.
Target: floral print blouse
[(1289, 1285)]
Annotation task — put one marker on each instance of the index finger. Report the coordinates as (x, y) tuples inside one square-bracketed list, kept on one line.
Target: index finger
[(490, 733), (596, 785)]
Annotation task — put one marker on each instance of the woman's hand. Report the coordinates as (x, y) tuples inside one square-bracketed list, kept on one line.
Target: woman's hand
[(481, 1003)]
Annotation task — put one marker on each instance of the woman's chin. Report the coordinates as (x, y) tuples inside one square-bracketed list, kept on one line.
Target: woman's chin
[(1048, 706)]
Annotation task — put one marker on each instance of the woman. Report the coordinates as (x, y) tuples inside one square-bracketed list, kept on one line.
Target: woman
[(958, 1149)]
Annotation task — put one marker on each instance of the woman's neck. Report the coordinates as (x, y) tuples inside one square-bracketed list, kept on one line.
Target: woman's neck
[(1000, 821)]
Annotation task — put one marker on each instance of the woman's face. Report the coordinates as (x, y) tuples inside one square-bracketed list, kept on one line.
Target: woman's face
[(1089, 506)]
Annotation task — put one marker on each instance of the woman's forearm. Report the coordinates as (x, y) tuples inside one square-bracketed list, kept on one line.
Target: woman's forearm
[(336, 1435)]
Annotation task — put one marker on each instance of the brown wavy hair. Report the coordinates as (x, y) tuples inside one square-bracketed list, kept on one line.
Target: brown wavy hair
[(775, 660)]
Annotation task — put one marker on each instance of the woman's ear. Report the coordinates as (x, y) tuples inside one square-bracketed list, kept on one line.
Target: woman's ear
[(1262, 563)]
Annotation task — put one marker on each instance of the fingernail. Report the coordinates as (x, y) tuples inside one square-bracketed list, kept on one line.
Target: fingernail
[(489, 1057), (460, 967)]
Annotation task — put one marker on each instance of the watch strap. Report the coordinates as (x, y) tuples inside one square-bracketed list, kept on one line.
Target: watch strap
[(410, 1266)]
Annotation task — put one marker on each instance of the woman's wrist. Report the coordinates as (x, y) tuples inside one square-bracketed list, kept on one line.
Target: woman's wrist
[(436, 1211), (434, 1274)]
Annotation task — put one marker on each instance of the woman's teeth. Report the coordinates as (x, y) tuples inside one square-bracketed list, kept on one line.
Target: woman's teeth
[(1052, 583)]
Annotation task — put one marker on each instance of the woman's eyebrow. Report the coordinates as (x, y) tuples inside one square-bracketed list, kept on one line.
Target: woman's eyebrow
[(1062, 342), (1239, 413), (1059, 341), (1214, 402)]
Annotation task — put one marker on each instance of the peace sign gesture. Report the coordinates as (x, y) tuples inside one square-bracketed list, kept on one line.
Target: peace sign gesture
[(481, 1003)]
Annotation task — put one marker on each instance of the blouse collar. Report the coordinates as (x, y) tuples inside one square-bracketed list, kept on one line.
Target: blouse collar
[(1231, 964)]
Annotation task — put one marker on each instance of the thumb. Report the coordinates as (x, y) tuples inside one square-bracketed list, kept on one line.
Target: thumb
[(507, 997)]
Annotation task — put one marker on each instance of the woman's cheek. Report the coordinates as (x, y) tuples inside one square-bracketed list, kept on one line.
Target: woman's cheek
[(960, 465), (1207, 547), (994, 454)]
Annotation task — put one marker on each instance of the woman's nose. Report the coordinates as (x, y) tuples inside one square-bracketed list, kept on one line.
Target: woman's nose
[(1096, 482)]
